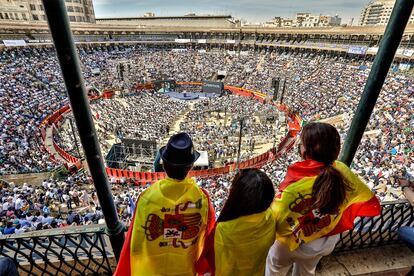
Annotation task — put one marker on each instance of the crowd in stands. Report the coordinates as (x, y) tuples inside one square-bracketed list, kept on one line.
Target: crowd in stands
[(318, 87), (30, 89), (52, 204)]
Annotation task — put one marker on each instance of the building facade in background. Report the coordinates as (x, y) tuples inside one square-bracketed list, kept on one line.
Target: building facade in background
[(305, 20), (80, 11), (378, 12)]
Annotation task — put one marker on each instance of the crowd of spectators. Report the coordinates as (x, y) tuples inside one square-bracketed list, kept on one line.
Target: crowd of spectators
[(52, 204), (318, 87)]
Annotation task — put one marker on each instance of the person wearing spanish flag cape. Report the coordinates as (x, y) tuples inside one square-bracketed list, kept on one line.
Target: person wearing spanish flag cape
[(319, 198), (245, 229), (171, 219)]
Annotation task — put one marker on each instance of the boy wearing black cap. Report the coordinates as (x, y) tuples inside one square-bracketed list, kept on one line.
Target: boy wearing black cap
[(171, 220)]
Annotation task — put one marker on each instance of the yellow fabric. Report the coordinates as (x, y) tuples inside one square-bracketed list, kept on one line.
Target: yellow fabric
[(158, 240), (241, 245), (288, 229)]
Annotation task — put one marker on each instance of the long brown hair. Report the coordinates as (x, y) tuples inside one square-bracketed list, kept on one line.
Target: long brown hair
[(322, 143), (251, 192)]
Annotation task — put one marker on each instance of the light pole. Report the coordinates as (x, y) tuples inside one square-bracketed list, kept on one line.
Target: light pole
[(240, 140), (283, 91), (74, 136), (276, 132)]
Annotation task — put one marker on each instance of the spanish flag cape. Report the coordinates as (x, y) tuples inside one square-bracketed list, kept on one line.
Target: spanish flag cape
[(239, 246), (298, 223), (168, 230)]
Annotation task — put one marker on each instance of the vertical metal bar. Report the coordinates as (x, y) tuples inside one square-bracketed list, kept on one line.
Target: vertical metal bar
[(74, 137), (283, 91), (382, 62), (276, 86), (240, 140), (69, 62)]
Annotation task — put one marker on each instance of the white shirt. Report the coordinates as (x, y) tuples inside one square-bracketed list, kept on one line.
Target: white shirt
[(6, 206)]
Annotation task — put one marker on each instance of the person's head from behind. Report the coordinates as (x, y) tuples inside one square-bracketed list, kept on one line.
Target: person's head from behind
[(178, 156), (321, 142), (251, 192)]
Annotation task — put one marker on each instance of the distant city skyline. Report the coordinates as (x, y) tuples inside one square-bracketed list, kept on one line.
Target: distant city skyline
[(252, 11)]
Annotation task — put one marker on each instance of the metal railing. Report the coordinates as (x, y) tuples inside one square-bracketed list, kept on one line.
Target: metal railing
[(86, 250), (379, 230), (72, 251)]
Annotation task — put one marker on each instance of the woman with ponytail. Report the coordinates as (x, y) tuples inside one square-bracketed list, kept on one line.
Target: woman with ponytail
[(319, 198)]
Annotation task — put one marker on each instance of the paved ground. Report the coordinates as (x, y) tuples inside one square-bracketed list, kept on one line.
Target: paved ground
[(391, 260)]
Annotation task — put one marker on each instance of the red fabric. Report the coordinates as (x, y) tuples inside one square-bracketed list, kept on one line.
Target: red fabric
[(300, 170), (123, 267), (370, 208), (211, 219), (206, 262)]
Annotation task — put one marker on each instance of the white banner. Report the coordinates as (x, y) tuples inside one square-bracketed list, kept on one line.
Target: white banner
[(400, 51), (408, 52), (95, 71), (231, 52), (404, 67), (14, 43), (39, 41), (202, 41), (357, 50), (182, 40), (372, 50), (222, 73), (202, 51), (179, 50), (244, 53), (230, 41)]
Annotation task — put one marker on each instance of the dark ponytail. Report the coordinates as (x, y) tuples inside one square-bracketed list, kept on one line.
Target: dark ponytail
[(322, 143), (329, 191)]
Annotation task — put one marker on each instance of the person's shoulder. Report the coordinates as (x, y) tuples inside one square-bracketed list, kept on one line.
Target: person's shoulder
[(341, 166)]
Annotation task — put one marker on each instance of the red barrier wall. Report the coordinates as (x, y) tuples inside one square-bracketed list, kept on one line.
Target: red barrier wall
[(150, 177)]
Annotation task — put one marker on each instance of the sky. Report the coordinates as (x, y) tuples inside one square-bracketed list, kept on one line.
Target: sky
[(250, 10)]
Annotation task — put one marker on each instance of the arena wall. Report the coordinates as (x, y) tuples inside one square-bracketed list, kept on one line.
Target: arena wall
[(149, 177)]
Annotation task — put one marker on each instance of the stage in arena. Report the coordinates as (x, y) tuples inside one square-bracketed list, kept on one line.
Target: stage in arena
[(187, 96)]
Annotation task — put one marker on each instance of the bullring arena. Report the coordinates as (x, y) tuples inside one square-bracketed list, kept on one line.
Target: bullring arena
[(322, 71)]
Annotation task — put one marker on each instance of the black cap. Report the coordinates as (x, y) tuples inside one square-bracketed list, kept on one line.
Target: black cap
[(179, 151)]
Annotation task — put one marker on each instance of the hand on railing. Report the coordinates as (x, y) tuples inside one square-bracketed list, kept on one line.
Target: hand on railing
[(407, 187)]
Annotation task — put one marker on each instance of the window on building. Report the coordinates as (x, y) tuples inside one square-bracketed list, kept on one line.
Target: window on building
[(1, 15), (69, 8), (16, 16), (72, 18), (24, 16), (44, 17), (41, 7), (77, 9), (68, 1), (11, 16), (35, 17), (32, 7)]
